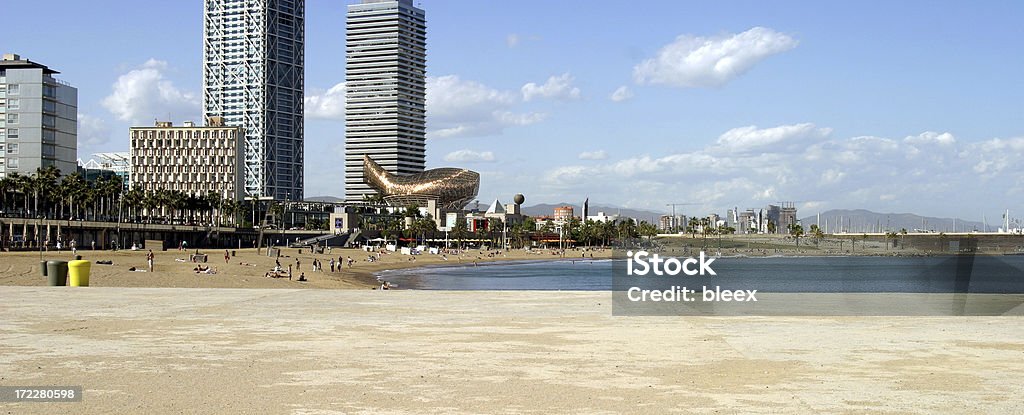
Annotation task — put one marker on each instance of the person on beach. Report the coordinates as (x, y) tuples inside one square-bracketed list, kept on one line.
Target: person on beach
[(226, 256), (332, 264), (298, 264), (149, 260), (302, 277), (289, 272)]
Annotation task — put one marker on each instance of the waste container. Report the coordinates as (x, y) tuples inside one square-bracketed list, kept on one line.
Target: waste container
[(42, 268), (57, 273), (78, 273)]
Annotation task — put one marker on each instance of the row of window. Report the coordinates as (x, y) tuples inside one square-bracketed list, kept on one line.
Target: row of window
[(189, 187), (11, 89), (187, 153), (182, 169), (184, 161), (187, 134)]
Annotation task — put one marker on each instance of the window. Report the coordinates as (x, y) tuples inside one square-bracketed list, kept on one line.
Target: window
[(12, 163), (12, 148), (14, 104), (13, 89), (12, 118), (12, 133)]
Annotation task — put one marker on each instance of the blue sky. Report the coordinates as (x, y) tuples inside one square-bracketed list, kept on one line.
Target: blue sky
[(889, 106)]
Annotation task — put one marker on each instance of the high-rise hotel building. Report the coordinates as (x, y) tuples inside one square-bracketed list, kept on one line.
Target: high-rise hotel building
[(385, 76), (38, 119), (253, 53)]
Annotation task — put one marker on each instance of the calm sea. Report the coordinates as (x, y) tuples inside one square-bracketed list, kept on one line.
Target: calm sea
[(977, 274)]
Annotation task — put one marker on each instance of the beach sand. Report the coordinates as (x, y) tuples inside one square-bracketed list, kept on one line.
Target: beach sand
[(245, 270), (295, 351)]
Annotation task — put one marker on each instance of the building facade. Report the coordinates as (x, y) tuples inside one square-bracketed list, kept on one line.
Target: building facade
[(38, 119), (253, 57), (563, 213), (191, 159), (385, 79)]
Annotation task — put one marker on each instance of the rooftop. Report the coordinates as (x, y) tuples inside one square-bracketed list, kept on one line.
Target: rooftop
[(14, 61)]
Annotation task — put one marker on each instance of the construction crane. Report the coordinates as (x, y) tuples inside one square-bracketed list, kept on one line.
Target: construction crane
[(674, 224)]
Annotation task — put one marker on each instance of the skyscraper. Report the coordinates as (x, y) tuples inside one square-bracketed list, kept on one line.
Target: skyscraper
[(253, 53), (38, 119), (385, 75)]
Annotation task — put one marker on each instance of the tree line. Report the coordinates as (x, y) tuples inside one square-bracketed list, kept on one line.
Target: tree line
[(47, 194)]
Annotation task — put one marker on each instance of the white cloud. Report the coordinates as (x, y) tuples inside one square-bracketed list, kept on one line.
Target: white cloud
[(931, 137), (451, 96), (512, 40), (144, 94), (463, 108), (622, 93), (328, 105), (469, 156), (855, 172), (593, 155), (784, 138), (92, 132), (557, 87), (458, 108), (695, 61)]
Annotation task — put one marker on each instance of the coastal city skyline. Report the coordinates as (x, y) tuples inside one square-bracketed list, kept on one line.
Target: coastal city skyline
[(767, 107)]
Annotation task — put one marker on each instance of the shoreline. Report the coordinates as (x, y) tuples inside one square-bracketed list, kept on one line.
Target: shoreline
[(246, 268)]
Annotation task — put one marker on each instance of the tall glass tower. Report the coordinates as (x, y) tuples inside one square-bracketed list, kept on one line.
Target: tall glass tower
[(253, 53), (385, 75)]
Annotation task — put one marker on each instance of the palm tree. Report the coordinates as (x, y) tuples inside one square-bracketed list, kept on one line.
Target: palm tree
[(647, 229), (691, 227), (797, 231), (6, 186), (132, 200), (460, 230), (46, 188)]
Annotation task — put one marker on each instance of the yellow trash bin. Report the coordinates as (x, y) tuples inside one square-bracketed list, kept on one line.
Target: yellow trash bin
[(78, 273)]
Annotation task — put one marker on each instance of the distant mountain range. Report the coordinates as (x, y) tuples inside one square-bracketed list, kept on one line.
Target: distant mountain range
[(860, 220), (545, 209)]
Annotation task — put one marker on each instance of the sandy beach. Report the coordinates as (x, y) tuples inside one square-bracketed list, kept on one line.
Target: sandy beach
[(293, 351), (247, 269)]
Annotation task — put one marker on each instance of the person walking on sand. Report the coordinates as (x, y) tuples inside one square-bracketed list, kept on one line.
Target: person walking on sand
[(227, 257), (149, 260), (298, 264), (332, 265), (289, 272)]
